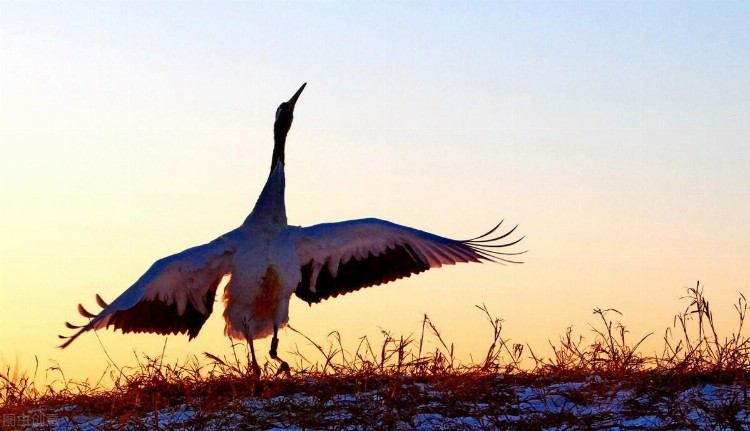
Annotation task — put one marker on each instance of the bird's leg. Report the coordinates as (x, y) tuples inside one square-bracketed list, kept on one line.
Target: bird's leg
[(256, 367), (257, 383), (283, 366)]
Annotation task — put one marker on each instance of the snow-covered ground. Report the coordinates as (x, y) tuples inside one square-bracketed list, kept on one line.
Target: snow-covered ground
[(411, 405)]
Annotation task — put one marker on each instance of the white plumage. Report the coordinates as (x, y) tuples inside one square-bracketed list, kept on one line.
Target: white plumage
[(268, 261)]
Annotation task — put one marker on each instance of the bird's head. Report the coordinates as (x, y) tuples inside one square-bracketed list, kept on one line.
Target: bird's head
[(285, 113)]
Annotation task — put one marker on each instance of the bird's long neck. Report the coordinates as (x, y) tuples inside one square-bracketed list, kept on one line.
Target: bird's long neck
[(279, 142), (270, 209), (269, 213)]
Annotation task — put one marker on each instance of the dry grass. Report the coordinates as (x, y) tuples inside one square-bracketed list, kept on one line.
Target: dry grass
[(404, 383)]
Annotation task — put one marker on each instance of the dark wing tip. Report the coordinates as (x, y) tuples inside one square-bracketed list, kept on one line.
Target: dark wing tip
[(485, 234), (69, 338), (85, 313), (486, 248)]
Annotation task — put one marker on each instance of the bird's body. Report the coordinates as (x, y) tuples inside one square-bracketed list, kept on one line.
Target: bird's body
[(268, 261), (266, 267)]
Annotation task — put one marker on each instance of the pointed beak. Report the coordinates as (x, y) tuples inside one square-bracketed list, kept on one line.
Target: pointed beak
[(294, 98)]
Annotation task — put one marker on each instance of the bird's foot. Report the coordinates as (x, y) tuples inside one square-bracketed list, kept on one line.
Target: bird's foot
[(284, 368), (256, 370)]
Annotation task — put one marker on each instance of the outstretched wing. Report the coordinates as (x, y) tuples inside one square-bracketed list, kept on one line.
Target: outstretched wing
[(339, 258), (176, 295)]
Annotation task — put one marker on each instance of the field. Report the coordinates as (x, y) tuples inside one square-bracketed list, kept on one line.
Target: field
[(698, 382)]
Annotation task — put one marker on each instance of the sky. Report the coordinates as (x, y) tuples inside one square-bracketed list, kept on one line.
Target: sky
[(615, 134)]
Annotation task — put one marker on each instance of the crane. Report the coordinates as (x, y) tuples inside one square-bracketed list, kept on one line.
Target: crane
[(267, 261)]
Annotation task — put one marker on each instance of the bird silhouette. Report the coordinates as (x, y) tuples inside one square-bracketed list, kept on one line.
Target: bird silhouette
[(268, 261)]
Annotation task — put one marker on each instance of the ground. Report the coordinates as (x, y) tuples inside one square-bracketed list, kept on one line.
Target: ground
[(649, 401)]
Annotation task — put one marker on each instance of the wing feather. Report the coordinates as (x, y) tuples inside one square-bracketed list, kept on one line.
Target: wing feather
[(338, 258), (176, 295)]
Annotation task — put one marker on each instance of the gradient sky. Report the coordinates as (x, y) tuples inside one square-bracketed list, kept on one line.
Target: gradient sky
[(617, 134)]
